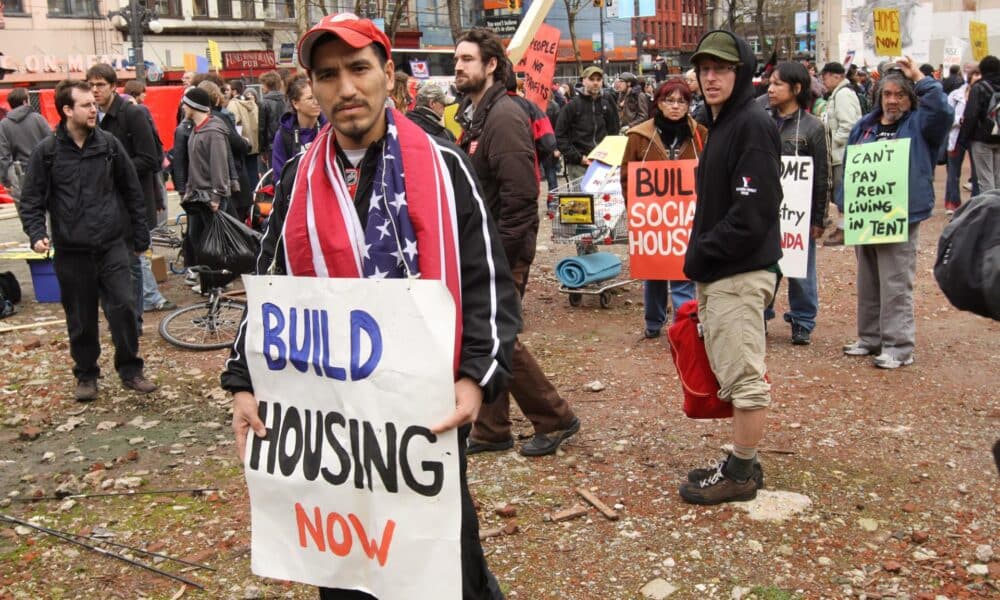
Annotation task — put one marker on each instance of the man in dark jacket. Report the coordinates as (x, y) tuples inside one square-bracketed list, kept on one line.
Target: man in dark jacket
[(20, 131), (272, 106), (134, 129), (954, 79), (977, 132), (83, 179), (633, 103), (584, 122), (733, 256), (498, 139), (430, 104), (357, 51)]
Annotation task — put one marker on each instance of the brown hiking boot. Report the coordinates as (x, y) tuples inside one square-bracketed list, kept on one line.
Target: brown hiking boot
[(718, 488), (836, 238), (140, 384), (86, 390)]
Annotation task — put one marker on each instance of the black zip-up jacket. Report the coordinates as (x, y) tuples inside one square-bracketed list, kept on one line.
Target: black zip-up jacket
[(429, 121), (582, 125), (736, 226), (975, 127), (491, 308), (134, 129), (272, 106), (803, 134), (91, 194)]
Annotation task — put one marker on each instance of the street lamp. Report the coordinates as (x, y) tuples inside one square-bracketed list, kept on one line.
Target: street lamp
[(642, 41), (137, 18)]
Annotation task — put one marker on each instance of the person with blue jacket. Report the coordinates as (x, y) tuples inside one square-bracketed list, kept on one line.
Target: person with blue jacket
[(909, 105), (298, 127)]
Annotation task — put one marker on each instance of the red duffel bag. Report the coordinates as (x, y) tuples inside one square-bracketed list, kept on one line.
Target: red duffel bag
[(687, 347)]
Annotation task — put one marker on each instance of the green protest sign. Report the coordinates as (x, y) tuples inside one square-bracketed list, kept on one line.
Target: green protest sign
[(876, 192)]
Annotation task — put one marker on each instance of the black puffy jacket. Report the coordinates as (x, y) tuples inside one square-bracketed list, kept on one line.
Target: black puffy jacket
[(583, 123), (92, 194), (975, 126)]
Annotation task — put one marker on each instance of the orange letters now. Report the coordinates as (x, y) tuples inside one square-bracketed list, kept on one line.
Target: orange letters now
[(336, 526)]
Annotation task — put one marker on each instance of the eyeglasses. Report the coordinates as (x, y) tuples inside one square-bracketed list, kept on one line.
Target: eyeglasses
[(719, 70), (673, 101)]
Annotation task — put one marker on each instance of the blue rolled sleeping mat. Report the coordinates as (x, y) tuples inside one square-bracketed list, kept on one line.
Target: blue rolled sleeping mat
[(578, 271)]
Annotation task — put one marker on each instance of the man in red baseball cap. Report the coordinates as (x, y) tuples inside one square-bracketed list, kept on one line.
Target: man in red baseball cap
[(370, 185)]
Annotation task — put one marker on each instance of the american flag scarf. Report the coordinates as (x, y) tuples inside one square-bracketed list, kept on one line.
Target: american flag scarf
[(411, 229)]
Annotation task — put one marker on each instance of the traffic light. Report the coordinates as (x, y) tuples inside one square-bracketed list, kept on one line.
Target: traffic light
[(514, 4), (599, 3)]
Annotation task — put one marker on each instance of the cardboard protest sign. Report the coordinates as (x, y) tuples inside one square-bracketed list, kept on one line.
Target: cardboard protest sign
[(796, 212), (532, 19), (980, 42), (952, 54), (539, 66), (876, 192), (350, 489), (888, 41), (660, 215)]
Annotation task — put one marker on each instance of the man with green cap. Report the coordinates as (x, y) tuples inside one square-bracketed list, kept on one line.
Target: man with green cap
[(584, 122), (733, 256)]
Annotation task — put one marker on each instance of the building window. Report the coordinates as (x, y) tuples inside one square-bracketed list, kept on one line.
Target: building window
[(72, 8), (225, 9), (247, 9), (199, 8), (13, 7), (167, 8)]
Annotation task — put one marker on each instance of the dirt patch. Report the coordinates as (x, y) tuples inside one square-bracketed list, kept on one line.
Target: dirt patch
[(896, 463)]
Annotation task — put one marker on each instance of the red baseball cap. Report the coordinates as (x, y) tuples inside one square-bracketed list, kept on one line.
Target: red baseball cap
[(355, 31)]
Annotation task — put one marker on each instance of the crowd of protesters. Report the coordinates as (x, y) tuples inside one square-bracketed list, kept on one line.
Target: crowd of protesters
[(94, 190)]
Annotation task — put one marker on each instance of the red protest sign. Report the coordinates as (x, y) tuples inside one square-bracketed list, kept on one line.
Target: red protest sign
[(539, 65), (660, 214)]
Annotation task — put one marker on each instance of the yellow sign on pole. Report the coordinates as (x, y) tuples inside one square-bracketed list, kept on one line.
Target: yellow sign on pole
[(190, 62), (980, 43), (214, 56), (888, 41)]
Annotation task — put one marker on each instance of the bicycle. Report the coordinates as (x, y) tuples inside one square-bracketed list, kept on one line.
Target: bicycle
[(211, 324), (165, 237)]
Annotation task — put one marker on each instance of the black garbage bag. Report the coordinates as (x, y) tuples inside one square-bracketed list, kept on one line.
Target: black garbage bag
[(229, 244)]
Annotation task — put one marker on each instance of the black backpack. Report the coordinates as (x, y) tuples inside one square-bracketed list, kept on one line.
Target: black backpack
[(968, 260), (10, 294), (992, 109)]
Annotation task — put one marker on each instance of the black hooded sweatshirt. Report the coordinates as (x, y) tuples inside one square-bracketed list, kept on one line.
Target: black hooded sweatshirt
[(736, 227)]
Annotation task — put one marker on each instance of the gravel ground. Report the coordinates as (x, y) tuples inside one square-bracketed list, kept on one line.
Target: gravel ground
[(889, 471)]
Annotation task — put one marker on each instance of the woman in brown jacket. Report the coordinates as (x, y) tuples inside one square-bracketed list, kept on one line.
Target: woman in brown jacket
[(670, 135)]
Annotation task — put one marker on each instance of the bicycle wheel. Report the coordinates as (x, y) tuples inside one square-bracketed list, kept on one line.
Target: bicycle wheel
[(197, 328)]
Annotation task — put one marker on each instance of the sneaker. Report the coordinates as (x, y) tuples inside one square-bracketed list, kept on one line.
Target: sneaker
[(858, 349), (650, 334), (165, 305), (718, 488), (967, 186), (836, 238), (800, 335), (886, 361), (696, 475), (477, 446), (547, 443), (86, 390), (140, 384), (191, 277)]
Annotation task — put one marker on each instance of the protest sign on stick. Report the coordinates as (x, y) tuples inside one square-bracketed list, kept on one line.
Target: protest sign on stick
[(980, 42), (350, 489), (888, 40), (660, 215), (539, 66), (876, 192), (796, 212)]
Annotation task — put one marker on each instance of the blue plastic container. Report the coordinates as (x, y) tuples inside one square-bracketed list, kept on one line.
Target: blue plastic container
[(43, 278)]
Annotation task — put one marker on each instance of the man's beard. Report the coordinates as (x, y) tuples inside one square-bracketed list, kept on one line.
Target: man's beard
[(473, 84)]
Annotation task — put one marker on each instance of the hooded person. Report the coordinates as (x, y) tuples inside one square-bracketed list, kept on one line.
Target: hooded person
[(20, 132), (978, 132), (733, 256)]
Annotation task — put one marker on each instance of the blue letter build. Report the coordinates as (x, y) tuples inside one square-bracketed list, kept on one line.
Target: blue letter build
[(296, 438)]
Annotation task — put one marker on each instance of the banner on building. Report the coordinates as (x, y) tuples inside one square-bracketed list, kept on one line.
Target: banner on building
[(796, 214), (876, 192), (660, 215), (350, 489)]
